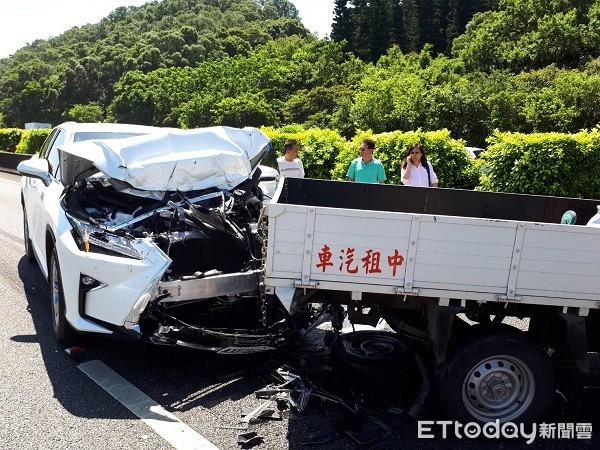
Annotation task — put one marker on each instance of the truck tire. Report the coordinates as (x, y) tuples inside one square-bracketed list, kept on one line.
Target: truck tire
[(497, 376), (378, 361), (63, 330)]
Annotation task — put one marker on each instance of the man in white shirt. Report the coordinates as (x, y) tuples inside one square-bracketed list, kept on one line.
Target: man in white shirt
[(289, 164)]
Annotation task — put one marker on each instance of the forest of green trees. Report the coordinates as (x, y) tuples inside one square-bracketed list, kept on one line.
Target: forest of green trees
[(473, 67)]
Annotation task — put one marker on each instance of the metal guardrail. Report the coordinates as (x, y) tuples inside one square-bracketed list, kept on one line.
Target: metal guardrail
[(9, 161)]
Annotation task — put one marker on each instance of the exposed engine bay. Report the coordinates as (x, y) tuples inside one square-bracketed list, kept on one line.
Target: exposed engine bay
[(210, 295)]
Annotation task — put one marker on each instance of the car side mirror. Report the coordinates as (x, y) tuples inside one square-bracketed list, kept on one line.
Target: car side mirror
[(35, 168)]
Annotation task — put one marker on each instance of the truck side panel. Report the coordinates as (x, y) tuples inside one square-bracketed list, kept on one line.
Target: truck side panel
[(396, 250), (434, 255), (338, 245), (470, 254), (560, 261)]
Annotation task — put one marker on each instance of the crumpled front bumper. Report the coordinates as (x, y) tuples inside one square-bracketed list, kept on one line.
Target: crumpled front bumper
[(123, 286)]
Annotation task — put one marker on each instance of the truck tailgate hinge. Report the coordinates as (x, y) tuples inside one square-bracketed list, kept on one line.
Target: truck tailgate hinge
[(509, 297), (401, 290), (305, 284)]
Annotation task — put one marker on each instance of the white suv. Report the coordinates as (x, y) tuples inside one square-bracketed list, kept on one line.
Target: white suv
[(152, 233)]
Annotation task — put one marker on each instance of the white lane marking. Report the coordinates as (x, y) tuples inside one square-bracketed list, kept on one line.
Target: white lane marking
[(169, 427)]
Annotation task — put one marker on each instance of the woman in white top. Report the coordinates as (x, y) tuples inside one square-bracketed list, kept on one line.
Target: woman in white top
[(416, 170)]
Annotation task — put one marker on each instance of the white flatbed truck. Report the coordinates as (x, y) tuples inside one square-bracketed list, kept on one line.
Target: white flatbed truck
[(444, 268)]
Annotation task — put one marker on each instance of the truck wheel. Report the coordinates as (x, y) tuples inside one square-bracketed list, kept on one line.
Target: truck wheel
[(375, 360), (26, 239), (502, 376), (63, 330)]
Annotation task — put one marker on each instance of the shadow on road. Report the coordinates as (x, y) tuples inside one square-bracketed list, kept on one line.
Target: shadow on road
[(183, 380), (178, 378)]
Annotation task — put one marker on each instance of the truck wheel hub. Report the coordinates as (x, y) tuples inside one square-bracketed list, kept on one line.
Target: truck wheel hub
[(498, 387)]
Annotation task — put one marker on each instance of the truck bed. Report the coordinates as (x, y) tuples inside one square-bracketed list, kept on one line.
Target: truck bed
[(445, 243)]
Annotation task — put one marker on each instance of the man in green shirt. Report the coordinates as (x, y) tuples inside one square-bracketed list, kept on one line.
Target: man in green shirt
[(366, 169)]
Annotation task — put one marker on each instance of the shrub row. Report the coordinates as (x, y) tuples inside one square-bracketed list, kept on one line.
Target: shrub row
[(556, 164), (22, 141), (327, 155), (9, 139), (32, 140)]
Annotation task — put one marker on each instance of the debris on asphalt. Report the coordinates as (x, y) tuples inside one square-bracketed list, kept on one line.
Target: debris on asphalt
[(290, 387), (425, 389), (262, 412), (323, 438), (256, 412), (77, 353), (249, 439), (293, 390), (231, 427), (326, 396), (363, 429), (73, 351), (563, 395)]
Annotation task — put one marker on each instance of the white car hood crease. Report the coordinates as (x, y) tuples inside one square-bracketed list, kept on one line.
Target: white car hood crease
[(171, 159)]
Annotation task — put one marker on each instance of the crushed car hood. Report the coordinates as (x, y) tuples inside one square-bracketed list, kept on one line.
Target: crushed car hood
[(171, 159)]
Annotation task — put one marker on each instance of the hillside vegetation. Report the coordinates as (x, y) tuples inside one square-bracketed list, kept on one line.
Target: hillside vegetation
[(478, 69)]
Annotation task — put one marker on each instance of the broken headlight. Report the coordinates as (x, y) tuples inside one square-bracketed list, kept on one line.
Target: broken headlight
[(94, 238)]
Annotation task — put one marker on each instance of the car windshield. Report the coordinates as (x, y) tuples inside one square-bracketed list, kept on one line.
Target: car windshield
[(94, 135)]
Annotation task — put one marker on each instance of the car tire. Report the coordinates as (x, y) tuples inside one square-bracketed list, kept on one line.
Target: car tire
[(63, 330), (26, 239), (378, 361), (496, 376)]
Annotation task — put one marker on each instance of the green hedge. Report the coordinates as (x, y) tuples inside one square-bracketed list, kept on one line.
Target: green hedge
[(557, 164), (319, 148), (32, 140), (9, 139), (327, 155), (448, 156)]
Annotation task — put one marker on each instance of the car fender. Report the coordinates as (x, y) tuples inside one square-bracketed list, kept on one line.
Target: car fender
[(122, 282)]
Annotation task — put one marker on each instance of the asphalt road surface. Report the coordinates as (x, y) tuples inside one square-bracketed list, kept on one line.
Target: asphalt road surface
[(96, 398)]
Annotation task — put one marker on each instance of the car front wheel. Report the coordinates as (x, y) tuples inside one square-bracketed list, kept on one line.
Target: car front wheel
[(63, 330), (26, 239)]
